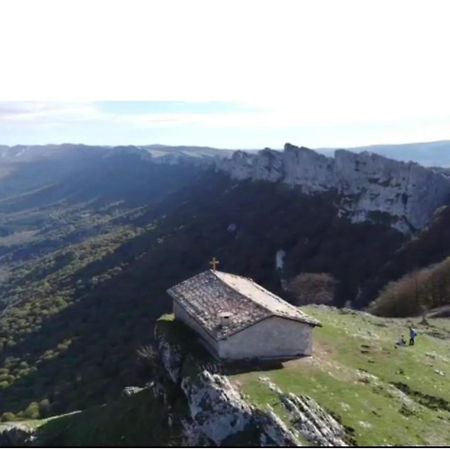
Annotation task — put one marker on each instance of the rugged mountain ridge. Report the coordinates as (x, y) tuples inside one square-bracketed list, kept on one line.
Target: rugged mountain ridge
[(427, 154), (370, 187), (158, 153)]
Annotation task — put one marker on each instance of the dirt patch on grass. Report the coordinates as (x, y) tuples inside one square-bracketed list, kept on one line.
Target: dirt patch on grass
[(322, 360), (321, 353)]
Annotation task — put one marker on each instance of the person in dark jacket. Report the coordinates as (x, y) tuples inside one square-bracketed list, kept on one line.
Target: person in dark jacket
[(412, 336)]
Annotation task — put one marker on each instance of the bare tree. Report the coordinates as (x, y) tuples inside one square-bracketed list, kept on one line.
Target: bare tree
[(148, 357), (416, 292)]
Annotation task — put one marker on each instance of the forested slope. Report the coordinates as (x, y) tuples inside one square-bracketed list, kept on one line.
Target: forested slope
[(87, 255)]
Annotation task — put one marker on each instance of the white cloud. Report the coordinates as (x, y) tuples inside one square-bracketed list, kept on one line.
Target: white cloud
[(46, 112), (290, 123), (318, 63), (372, 56)]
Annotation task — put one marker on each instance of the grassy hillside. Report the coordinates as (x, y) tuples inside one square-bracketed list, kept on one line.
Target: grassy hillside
[(136, 421), (382, 394)]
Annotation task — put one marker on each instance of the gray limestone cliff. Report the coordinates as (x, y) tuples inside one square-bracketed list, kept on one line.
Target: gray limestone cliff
[(369, 187), (218, 413)]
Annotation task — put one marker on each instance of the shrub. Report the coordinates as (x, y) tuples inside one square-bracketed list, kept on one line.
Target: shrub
[(32, 411), (44, 407), (8, 417), (318, 288), (415, 292), (148, 358)]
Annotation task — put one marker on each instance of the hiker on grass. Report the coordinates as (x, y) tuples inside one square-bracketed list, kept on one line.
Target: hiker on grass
[(401, 342), (412, 336)]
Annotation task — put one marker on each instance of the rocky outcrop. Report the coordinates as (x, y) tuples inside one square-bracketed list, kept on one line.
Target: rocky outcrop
[(369, 187), (218, 413), (171, 356), (129, 391), (191, 436), (316, 425), (310, 419), (408, 192), (275, 432), (17, 435), (217, 408)]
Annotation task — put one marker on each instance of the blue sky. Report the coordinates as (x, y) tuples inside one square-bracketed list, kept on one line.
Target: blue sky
[(225, 73), (218, 124)]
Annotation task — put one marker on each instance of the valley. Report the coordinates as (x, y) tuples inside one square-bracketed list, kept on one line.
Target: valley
[(91, 238)]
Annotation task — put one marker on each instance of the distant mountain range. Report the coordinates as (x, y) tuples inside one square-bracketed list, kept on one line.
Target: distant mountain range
[(28, 153), (429, 154), (425, 153)]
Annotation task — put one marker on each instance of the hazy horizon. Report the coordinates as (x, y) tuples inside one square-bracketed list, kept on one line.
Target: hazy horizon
[(215, 147), (321, 74), (213, 124)]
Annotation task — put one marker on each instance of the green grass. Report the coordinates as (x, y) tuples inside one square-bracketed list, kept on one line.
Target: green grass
[(355, 374), (350, 351), (136, 421)]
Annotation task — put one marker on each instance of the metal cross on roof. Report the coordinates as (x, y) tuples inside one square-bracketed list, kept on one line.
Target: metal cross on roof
[(214, 262)]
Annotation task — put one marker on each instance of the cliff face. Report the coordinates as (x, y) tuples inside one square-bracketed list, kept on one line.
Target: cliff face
[(218, 414), (370, 187)]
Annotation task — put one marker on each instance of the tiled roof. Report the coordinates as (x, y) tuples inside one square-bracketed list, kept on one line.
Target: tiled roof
[(224, 304)]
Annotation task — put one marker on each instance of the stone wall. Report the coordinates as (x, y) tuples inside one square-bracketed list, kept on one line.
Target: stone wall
[(207, 340), (270, 338)]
